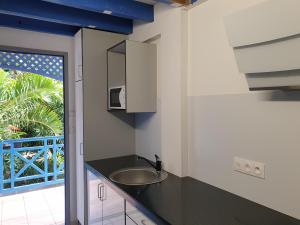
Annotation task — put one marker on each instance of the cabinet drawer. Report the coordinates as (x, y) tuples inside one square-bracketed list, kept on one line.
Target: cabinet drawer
[(137, 216)]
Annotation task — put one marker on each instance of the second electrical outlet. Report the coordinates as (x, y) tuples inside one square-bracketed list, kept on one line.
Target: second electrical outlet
[(249, 167)]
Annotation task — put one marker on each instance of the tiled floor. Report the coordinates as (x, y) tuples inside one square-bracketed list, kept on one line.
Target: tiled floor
[(41, 207)]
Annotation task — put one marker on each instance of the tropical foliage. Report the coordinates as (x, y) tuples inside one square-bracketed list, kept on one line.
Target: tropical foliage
[(30, 105)]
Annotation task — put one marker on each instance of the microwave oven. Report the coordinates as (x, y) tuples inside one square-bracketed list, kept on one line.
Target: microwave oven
[(116, 97)]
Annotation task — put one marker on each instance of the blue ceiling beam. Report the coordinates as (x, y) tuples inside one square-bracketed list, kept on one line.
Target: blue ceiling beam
[(40, 10), (128, 9), (37, 25)]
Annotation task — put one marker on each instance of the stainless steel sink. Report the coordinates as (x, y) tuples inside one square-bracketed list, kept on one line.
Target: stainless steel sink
[(138, 176)]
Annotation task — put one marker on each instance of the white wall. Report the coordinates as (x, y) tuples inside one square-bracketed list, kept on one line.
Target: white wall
[(225, 120), (43, 41), (161, 133), (210, 51)]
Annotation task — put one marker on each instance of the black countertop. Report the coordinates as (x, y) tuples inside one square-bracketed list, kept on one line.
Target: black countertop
[(186, 201)]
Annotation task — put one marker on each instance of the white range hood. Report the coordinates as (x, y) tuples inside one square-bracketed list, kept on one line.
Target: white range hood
[(266, 43)]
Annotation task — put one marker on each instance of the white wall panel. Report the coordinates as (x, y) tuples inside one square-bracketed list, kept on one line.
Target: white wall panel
[(226, 121), (250, 126)]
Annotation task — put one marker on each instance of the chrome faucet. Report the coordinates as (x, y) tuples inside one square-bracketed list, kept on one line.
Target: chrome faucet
[(157, 165)]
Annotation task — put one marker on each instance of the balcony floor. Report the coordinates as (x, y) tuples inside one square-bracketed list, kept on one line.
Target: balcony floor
[(40, 207)]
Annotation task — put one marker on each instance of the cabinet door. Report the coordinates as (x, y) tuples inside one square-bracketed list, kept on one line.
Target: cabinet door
[(141, 77), (113, 204), (95, 206)]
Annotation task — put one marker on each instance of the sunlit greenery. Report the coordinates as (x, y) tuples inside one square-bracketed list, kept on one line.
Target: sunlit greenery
[(31, 105)]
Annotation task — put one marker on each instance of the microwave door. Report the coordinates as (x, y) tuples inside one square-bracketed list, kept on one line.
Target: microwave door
[(115, 98)]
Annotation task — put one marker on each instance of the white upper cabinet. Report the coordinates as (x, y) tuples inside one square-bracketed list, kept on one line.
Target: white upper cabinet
[(132, 67)]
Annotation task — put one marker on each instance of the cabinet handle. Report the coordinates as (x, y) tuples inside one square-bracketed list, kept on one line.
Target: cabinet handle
[(80, 72), (81, 149), (101, 192)]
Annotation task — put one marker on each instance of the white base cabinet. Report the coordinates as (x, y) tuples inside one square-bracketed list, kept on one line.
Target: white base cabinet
[(105, 205), (95, 206)]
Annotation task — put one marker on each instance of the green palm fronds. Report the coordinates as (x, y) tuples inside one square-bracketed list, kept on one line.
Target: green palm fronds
[(30, 103)]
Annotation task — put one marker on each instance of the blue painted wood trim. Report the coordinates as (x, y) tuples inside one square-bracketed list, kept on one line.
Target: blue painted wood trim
[(26, 140), (46, 65), (13, 149), (54, 13), (12, 167), (45, 150), (37, 25), (1, 167), (128, 9), (7, 181), (28, 163), (54, 162)]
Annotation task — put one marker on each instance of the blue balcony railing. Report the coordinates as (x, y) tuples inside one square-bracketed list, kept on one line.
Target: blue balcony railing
[(30, 163)]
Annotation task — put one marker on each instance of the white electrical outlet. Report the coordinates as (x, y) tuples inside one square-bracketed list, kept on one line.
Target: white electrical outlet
[(249, 167), (259, 169)]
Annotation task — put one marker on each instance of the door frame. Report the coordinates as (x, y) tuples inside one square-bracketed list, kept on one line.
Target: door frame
[(66, 116)]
